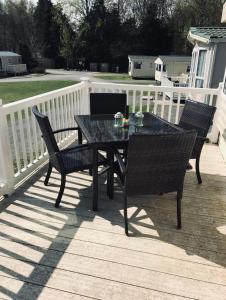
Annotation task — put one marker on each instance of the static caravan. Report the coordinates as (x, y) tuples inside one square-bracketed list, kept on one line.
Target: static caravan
[(208, 56), (141, 66), (171, 66), (11, 62)]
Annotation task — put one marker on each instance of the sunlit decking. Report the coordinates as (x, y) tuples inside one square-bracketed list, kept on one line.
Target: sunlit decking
[(75, 253)]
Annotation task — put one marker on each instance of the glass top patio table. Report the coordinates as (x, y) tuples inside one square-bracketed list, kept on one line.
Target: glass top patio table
[(101, 129)]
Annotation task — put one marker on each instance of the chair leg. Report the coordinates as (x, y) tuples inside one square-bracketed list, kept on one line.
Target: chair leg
[(61, 191), (179, 197), (48, 174), (79, 136), (197, 170), (125, 213)]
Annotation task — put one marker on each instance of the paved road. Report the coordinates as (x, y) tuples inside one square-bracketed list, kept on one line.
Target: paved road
[(52, 75), (59, 74)]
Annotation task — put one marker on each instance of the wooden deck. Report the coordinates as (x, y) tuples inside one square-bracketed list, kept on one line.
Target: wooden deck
[(74, 253)]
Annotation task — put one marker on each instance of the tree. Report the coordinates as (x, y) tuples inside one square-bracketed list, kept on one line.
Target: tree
[(206, 12), (67, 37), (46, 29), (154, 31), (3, 20), (93, 41)]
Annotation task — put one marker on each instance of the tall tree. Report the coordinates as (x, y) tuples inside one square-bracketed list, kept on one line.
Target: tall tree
[(3, 30), (67, 36), (47, 29), (206, 12), (154, 31), (92, 34)]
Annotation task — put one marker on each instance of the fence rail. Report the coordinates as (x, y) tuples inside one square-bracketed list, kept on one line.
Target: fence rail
[(21, 147)]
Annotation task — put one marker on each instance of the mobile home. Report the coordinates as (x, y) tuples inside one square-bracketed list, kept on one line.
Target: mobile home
[(171, 66), (208, 56), (141, 66), (11, 63)]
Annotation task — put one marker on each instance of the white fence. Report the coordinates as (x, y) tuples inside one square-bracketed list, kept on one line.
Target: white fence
[(21, 147)]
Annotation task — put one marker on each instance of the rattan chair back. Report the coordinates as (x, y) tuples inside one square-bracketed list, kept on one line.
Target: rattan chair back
[(157, 163), (107, 103), (198, 116), (48, 136)]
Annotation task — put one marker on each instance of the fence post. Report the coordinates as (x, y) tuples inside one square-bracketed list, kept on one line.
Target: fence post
[(86, 104), (6, 159)]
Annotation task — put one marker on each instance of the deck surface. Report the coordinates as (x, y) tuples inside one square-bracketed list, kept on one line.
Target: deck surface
[(74, 253)]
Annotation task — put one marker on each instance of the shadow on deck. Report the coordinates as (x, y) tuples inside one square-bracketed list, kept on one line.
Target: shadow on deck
[(74, 253)]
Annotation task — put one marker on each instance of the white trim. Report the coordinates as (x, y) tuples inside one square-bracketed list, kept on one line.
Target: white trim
[(212, 53), (193, 38)]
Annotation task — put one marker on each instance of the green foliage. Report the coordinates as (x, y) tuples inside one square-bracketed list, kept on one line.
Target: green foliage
[(46, 29), (101, 30), (67, 45)]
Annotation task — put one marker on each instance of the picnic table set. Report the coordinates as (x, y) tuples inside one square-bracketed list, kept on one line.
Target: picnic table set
[(143, 152)]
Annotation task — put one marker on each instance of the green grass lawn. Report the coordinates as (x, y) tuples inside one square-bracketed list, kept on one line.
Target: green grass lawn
[(113, 76), (123, 77), (13, 91)]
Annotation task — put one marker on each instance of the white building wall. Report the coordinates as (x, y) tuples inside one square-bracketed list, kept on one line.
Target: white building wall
[(147, 67), (223, 19), (9, 60)]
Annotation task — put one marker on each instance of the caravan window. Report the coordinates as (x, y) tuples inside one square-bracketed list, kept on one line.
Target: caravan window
[(164, 68), (188, 69), (200, 69), (130, 64), (158, 67), (137, 65)]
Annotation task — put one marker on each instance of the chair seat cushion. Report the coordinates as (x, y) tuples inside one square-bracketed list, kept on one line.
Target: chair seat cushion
[(79, 158)]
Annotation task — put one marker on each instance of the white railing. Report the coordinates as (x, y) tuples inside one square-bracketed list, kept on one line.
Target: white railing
[(165, 101), (166, 82), (21, 147)]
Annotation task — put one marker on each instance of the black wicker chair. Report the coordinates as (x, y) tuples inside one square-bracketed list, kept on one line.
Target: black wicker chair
[(107, 103), (156, 164), (198, 116), (65, 161)]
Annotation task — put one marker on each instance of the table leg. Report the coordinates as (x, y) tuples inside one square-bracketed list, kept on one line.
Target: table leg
[(95, 179), (110, 174)]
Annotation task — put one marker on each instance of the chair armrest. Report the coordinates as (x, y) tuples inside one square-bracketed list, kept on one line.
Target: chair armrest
[(94, 146), (120, 163), (65, 129), (72, 149), (205, 139)]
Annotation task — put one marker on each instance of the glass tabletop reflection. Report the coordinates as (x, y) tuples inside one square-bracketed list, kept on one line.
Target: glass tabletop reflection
[(101, 128)]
